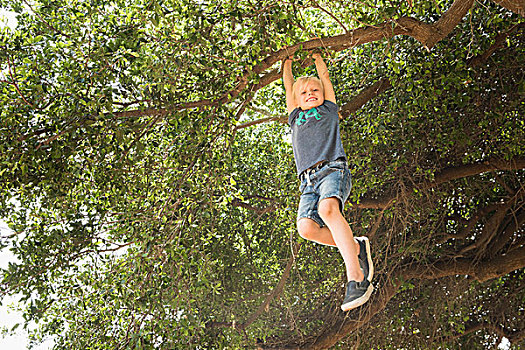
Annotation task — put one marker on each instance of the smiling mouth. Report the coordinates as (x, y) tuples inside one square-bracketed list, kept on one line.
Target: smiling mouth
[(311, 99)]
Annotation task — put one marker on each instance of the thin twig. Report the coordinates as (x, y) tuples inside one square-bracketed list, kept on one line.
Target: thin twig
[(15, 84), (331, 15), (45, 22)]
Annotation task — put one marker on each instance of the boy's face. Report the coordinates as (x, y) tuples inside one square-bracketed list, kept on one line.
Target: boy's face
[(309, 95)]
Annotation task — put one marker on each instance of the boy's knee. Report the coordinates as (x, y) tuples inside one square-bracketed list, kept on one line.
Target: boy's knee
[(307, 228), (329, 207)]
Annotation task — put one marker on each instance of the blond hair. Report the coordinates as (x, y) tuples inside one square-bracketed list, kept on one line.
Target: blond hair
[(302, 81)]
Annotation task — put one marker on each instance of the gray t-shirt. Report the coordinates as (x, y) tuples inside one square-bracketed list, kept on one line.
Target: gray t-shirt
[(315, 135)]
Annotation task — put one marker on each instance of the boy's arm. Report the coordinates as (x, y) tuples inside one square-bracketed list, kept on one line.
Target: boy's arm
[(322, 72), (288, 84)]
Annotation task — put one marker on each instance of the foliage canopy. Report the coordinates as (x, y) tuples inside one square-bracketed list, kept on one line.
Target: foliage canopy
[(150, 183)]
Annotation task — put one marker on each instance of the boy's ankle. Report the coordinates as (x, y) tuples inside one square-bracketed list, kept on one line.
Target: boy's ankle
[(359, 277)]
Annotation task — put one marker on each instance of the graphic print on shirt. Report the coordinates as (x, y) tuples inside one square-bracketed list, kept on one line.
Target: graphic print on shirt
[(303, 116)]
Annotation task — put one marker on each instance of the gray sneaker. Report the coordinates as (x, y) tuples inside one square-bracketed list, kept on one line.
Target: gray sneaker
[(357, 293), (365, 258)]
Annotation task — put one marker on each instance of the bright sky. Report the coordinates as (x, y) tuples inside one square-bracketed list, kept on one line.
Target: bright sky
[(9, 317), (7, 19)]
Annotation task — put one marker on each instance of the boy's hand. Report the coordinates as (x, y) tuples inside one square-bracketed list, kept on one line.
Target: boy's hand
[(291, 58), (316, 56)]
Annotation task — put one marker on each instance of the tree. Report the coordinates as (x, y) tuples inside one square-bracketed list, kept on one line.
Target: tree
[(151, 188)]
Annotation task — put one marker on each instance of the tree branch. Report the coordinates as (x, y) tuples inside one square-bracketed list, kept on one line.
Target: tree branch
[(504, 237), (15, 84), (238, 203), (44, 21), (446, 175), (482, 271), (366, 95), (490, 229), (260, 121), (276, 291), (498, 42), (427, 34)]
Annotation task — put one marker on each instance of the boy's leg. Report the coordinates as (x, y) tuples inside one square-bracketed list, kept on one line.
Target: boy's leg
[(310, 230), (342, 236), (358, 287)]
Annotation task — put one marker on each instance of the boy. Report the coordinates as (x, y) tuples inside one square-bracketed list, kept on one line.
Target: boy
[(325, 179)]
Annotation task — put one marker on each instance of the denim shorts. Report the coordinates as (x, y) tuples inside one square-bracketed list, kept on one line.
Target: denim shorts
[(333, 179)]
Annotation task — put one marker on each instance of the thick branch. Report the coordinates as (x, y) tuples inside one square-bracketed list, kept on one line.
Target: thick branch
[(427, 34), (366, 95), (446, 175), (382, 84), (449, 21), (498, 42), (482, 271)]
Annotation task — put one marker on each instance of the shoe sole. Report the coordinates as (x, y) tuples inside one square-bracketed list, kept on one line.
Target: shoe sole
[(359, 301), (369, 257)]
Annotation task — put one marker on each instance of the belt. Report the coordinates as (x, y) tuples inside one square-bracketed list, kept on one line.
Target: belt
[(315, 168)]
